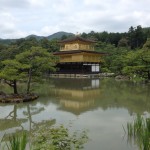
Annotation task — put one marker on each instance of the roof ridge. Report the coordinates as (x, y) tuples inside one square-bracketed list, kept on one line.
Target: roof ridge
[(74, 38)]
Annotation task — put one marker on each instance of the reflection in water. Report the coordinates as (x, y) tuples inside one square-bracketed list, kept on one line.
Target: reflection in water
[(16, 123), (102, 106), (76, 95), (80, 95), (11, 120)]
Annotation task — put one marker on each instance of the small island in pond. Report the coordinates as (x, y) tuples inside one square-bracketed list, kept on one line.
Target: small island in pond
[(17, 98)]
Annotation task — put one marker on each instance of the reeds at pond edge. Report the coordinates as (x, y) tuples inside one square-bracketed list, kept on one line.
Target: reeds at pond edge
[(139, 131)]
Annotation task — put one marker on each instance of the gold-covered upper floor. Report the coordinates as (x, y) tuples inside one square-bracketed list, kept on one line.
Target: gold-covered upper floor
[(76, 43), (78, 49), (76, 46)]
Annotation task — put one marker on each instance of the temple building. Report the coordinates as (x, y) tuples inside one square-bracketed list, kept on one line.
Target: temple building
[(77, 56)]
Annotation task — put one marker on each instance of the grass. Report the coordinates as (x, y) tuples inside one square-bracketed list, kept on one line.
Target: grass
[(139, 131), (16, 142)]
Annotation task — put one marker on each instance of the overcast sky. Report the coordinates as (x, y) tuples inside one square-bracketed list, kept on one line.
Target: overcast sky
[(19, 18)]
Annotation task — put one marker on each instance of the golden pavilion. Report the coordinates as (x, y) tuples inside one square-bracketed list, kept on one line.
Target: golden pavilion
[(77, 56)]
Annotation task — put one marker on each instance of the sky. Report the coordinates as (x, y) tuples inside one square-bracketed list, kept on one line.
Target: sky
[(20, 18)]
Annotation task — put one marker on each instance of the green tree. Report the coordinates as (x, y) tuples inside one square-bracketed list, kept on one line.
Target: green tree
[(25, 44), (110, 51), (51, 46), (145, 57), (103, 36), (138, 62), (44, 43), (39, 62), (114, 38), (132, 62), (123, 43), (140, 37), (54, 46), (31, 63), (118, 62), (12, 72), (136, 36), (9, 52)]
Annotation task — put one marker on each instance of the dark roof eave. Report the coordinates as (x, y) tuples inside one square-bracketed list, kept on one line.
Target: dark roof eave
[(78, 51)]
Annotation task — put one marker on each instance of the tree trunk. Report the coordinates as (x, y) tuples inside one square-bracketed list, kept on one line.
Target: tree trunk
[(29, 81), (15, 87)]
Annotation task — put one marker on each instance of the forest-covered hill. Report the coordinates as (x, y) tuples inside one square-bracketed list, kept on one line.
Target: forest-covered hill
[(57, 35)]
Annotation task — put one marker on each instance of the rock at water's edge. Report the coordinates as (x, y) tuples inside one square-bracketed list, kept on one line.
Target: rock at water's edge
[(121, 77)]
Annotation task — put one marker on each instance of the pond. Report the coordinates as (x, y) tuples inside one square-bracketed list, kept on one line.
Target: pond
[(100, 106)]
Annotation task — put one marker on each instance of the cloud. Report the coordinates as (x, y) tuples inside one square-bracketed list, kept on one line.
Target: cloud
[(8, 27), (47, 30), (7, 23), (48, 16), (14, 3)]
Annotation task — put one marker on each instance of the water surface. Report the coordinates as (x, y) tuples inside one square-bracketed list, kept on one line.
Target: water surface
[(101, 106)]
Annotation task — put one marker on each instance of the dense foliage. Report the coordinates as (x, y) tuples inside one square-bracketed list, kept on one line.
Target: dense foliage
[(127, 54), (25, 60), (134, 38)]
